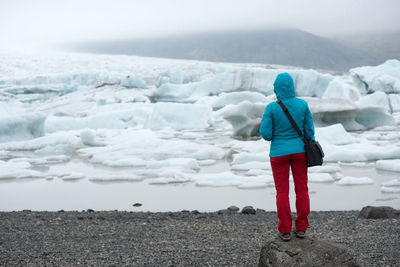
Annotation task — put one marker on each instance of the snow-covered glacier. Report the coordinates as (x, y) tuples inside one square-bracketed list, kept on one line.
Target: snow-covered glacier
[(169, 121)]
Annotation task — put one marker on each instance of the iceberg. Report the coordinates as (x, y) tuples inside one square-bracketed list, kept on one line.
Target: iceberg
[(394, 182), (137, 114), (180, 116), (359, 152), (245, 157), (235, 98), (245, 118), (386, 189), (251, 166), (335, 135), (394, 100), (18, 169), (320, 178), (339, 89), (132, 82), (115, 177), (384, 77), (349, 180), (307, 83), (377, 99), (389, 165), (17, 123), (350, 115), (66, 141)]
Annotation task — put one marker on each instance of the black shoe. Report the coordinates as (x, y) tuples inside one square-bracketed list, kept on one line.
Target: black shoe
[(299, 234), (285, 236)]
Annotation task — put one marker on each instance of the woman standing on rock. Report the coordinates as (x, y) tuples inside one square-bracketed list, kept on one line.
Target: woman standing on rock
[(287, 152)]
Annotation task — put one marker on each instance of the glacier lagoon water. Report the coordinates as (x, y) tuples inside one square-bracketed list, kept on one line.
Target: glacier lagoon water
[(81, 194)]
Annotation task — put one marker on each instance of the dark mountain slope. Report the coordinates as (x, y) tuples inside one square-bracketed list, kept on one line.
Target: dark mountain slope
[(284, 47)]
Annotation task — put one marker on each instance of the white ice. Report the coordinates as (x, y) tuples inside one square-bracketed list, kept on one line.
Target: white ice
[(389, 165), (385, 77), (349, 180), (180, 116), (18, 169), (108, 110), (334, 134)]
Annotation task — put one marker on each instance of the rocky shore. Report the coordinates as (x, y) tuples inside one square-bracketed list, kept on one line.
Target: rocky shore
[(187, 238)]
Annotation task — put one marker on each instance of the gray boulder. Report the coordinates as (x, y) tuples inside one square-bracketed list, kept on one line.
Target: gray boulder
[(384, 212), (304, 252), (233, 208), (248, 210)]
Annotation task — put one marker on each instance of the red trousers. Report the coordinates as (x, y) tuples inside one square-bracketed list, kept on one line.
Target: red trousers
[(280, 169)]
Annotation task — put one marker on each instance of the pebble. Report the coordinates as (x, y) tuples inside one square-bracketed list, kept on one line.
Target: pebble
[(122, 238)]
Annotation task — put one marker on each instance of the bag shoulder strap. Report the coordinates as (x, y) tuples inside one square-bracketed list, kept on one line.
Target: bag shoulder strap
[(286, 111)]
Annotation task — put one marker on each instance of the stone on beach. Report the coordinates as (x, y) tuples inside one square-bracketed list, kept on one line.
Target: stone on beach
[(304, 252), (248, 210), (384, 212)]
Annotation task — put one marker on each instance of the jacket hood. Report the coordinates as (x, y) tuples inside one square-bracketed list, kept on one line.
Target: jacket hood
[(284, 86)]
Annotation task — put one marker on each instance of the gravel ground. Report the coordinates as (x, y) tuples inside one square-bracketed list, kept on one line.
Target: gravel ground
[(115, 238)]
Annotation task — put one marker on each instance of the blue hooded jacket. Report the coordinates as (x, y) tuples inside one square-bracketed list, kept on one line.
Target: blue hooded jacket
[(276, 127)]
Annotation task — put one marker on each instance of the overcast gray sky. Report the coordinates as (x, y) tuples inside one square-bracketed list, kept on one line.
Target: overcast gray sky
[(33, 22)]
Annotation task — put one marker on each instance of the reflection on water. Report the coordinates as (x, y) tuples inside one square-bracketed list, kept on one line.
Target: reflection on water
[(80, 194)]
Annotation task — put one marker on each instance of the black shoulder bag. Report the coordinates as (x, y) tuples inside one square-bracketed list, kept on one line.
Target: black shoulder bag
[(313, 148)]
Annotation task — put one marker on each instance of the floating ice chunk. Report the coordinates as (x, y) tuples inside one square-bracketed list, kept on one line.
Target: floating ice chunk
[(54, 159), (137, 115), (133, 82), (320, 178), (377, 99), (185, 163), (237, 97), (16, 163), (73, 176), (340, 89), (170, 176), (326, 169), (357, 164), (126, 162), (4, 154), (18, 169), (49, 140), (394, 182), (88, 138), (384, 77), (391, 189), (176, 75), (386, 198), (180, 116), (207, 162), (394, 100), (251, 165), (350, 115), (258, 146), (389, 165), (310, 82), (349, 180), (244, 117), (144, 144), (334, 134), (359, 152), (245, 157), (20, 126), (115, 177)]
